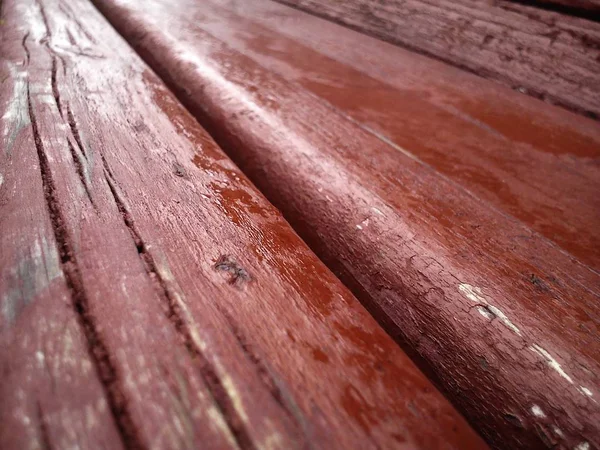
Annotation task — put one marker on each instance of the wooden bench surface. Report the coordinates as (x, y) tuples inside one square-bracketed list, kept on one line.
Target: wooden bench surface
[(536, 163), (150, 296), (543, 53), (486, 304)]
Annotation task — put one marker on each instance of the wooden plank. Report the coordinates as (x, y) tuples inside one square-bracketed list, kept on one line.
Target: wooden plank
[(539, 52), (580, 8), (543, 172), (487, 306), (215, 325), (51, 395)]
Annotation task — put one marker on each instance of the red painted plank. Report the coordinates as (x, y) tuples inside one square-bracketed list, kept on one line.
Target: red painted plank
[(50, 394), (581, 8), (543, 172), (503, 319), (546, 54), (212, 324)]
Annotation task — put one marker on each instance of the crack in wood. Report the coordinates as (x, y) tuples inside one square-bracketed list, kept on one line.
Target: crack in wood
[(219, 394), (55, 90), (24, 44), (67, 11), (45, 441), (79, 168), (75, 131), (274, 386), (97, 349)]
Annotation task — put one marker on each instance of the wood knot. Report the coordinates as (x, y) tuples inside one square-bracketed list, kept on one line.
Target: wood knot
[(238, 276)]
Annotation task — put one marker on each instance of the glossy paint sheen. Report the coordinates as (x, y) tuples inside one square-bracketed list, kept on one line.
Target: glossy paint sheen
[(504, 319)]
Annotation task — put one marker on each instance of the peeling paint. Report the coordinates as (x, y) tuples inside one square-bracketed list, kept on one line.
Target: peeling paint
[(40, 357), (473, 293), (217, 420), (586, 391), (537, 412), (31, 276), (16, 115), (235, 397), (378, 212), (551, 362), (582, 446)]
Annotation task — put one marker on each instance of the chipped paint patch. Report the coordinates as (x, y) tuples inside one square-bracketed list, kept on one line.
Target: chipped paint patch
[(474, 294), (16, 115), (586, 391), (485, 313), (558, 432), (272, 441), (582, 446), (40, 357), (537, 412), (31, 276), (363, 224), (378, 212), (235, 397), (551, 362), (217, 420)]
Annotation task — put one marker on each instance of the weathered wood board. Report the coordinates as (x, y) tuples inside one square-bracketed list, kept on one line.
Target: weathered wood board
[(543, 53), (537, 163), (501, 317), (50, 394), (580, 8), (151, 296)]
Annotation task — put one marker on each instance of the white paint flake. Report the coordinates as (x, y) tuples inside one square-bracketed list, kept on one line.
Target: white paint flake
[(40, 357), (586, 391), (537, 412), (473, 293), (583, 446), (363, 224), (551, 362)]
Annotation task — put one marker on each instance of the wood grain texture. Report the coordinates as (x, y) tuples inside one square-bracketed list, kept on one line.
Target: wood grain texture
[(500, 317), (543, 170), (50, 393), (546, 54), (582, 8), (209, 323)]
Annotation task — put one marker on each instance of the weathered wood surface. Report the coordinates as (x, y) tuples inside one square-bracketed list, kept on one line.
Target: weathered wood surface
[(582, 8), (503, 319), (172, 304), (50, 395), (543, 53), (543, 170)]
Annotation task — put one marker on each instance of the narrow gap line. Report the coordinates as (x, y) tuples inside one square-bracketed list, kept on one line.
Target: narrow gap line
[(218, 392), (97, 349)]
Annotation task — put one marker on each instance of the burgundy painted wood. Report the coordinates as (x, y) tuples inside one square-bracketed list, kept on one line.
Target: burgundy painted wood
[(502, 318), (581, 8), (50, 394), (543, 171), (543, 53), (151, 296)]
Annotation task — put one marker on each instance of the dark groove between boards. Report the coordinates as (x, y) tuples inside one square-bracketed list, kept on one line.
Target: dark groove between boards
[(211, 379), (97, 350)]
